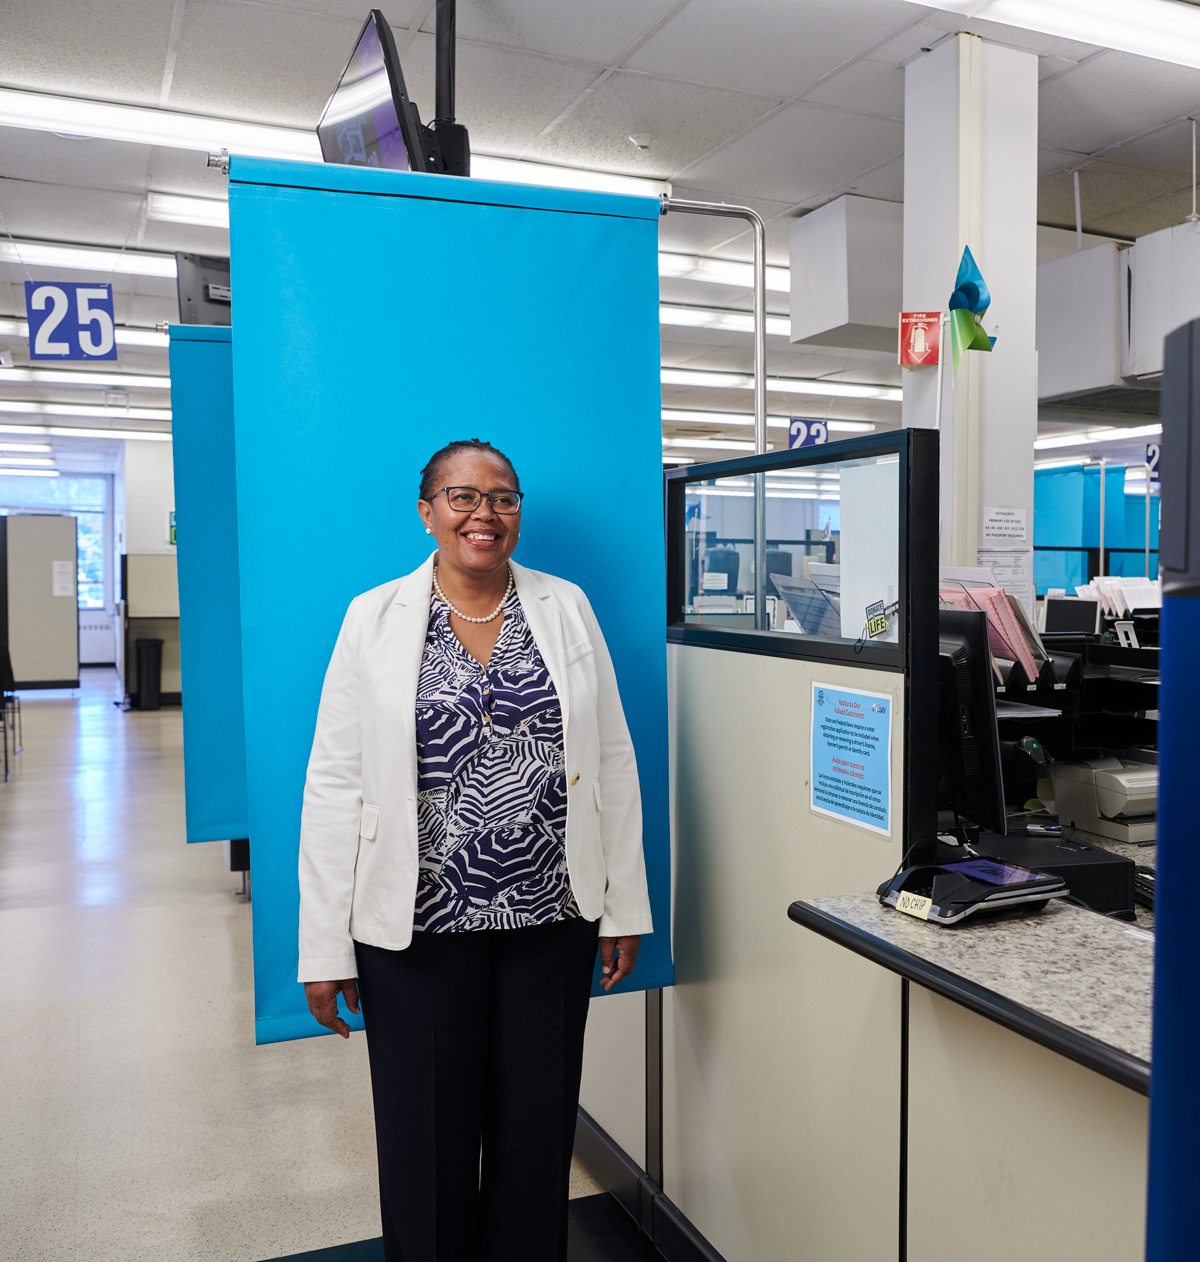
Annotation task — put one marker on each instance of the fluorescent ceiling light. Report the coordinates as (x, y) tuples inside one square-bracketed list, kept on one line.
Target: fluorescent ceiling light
[(86, 258), (1162, 29), (126, 335), (1108, 434), (80, 409), (171, 208), (515, 171), (715, 318), (91, 431), (27, 447), (781, 385), (719, 271), (40, 461), (690, 415), (29, 473), (723, 444), (145, 125), (63, 377)]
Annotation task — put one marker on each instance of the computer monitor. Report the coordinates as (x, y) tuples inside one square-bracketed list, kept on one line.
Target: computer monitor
[(369, 120), (1070, 615), (970, 782)]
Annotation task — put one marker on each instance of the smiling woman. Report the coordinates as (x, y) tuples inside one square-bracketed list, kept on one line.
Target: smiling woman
[(472, 827)]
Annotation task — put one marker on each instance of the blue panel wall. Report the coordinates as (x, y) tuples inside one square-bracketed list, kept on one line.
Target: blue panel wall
[(379, 315), (210, 641)]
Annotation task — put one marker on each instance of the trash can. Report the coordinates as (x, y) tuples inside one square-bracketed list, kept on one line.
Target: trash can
[(149, 673)]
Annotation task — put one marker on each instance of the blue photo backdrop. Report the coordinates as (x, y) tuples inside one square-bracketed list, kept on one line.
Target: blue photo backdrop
[(380, 315), (210, 628)]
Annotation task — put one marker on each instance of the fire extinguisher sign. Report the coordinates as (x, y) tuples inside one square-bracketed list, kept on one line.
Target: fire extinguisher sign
[(920, 335)]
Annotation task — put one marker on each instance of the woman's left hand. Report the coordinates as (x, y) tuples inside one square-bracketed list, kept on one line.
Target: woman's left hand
[(617, 970)]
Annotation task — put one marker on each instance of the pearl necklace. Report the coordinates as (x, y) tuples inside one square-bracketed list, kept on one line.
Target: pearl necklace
[(467, 617)]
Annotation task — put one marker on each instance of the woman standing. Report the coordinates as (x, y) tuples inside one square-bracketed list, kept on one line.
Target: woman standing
[(472, 826)]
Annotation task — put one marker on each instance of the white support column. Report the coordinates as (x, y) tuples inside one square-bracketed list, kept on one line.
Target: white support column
[(970, 178)]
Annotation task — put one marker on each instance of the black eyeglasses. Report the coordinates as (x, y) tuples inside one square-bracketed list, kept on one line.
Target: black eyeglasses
[(466, 499)]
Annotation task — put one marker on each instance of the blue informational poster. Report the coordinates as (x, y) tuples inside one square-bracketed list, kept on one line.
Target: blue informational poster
[(210, 628), (851, 768), (379, 315)]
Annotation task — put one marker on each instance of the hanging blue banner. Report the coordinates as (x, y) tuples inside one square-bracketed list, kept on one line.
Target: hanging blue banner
[(70, 321), (470, 300)]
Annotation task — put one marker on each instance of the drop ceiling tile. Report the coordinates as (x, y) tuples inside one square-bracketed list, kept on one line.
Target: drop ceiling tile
[(1105, 189), (58, 212), (764, 45), (686, 121), (1113, 98), (399, 13), (49, 159), (186, 172), (885, 183), (113, 51), (188, 237), (504, 98), (866, 87), (590, 32), (727, 238), (903, 47), (264, 63), (804, 152), (1169, 149), (1014, 36), (1151, 216), (1053, 160)]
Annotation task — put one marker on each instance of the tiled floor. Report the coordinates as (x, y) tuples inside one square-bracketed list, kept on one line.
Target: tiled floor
[(139, 1121)]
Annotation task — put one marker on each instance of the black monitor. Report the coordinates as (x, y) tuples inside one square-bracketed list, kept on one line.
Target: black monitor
[(970, 782), (369, 120)]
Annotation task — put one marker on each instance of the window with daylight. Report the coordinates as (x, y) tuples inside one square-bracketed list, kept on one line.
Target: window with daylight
[(85, 499)]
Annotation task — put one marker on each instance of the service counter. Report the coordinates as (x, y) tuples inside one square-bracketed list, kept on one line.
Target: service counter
[(1025, 1067)]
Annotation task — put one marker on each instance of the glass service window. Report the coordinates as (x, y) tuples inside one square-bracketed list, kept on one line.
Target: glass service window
[(831, 559)]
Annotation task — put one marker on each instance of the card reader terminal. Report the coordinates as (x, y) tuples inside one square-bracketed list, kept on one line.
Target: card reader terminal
[(949, 892)]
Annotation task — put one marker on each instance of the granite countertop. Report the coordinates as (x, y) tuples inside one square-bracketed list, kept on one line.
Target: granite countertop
[(1073, 980)]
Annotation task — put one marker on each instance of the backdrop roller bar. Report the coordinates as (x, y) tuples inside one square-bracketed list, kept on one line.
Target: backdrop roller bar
[(759, 231)]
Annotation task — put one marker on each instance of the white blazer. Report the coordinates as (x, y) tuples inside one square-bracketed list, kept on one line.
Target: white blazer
[(358, 835)]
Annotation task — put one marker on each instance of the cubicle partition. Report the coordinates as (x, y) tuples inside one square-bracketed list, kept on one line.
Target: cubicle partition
[(150, 597), (802, 718), (39, 599)]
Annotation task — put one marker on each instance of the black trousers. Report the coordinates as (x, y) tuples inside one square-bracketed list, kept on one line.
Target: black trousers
[(476, 1049)]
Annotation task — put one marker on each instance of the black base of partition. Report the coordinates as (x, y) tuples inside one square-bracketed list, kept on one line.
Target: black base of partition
[(637, 1193), (165, 699)]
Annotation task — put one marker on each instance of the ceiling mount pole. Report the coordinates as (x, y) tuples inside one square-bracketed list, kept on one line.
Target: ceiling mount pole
[(444, 99), (759, 231), (453, 144), (1193, 217)]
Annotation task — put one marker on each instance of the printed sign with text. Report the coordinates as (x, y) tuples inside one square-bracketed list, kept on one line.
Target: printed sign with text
[(851, 756)]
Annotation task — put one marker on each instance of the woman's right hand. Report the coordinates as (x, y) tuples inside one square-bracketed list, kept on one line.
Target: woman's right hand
[(322, 1003)]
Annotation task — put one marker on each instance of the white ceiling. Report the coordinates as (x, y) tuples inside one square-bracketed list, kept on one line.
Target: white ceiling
[(778, 104)]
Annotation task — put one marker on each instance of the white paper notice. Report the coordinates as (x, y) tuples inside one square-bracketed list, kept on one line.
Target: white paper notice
[(715, 581), (1004, 525), (1013, 569), (62, 578)]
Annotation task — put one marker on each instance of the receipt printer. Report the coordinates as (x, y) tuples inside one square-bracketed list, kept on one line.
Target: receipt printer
[(1107, 796)]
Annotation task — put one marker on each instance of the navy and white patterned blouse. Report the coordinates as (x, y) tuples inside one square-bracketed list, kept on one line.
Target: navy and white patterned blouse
[(491, 783)]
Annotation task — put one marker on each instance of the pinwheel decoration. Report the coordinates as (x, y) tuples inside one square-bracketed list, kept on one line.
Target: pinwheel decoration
[(970, 299)]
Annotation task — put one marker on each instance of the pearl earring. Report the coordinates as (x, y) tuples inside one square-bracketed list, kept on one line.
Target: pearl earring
[(428, 531)]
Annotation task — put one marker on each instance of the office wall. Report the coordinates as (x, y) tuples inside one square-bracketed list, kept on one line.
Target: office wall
[(149, 496), (782, 1131), (379, 315)]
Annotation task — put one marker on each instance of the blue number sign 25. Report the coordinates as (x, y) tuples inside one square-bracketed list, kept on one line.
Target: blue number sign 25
[(70, 321)]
